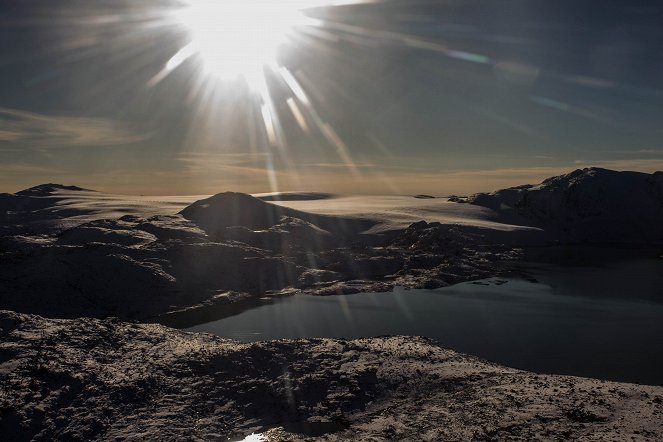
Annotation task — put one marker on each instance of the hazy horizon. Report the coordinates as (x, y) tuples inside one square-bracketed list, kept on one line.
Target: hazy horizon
[(451, 183)]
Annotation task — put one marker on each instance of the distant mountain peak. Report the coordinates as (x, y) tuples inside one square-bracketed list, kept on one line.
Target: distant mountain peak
[(597, 175), (49, 188), (593, 171), (233, 209), (590, 204)]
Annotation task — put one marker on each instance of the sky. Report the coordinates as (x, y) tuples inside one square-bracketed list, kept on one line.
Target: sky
[(397, 96)]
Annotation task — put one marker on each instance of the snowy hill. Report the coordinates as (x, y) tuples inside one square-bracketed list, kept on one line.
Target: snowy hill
[(231, 209), (587, 205), (50, 188), (52, 208)]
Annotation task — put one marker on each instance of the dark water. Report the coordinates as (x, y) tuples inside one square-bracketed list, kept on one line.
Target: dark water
[(602, 321)]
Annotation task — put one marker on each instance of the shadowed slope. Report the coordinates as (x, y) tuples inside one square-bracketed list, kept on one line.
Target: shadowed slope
[(592, 205), (36, 208), (231, 209), (50, 188), (48, 209)]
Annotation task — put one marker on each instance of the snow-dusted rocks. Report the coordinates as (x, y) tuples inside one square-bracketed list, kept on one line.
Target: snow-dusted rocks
[(587, 205), (90, 379)]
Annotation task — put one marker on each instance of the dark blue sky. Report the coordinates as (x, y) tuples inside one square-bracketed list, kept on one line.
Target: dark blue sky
[(405, 96)]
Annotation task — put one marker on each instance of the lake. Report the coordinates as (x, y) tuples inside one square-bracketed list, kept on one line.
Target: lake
[(603, 321)]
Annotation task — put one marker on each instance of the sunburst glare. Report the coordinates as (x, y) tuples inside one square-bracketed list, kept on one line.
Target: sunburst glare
[(238, 38), (233, 43)]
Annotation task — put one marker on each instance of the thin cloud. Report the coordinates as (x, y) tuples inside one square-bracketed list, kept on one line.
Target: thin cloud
[(366, 167), (40, 132), (27, 169), (238, 164), (343, 166)]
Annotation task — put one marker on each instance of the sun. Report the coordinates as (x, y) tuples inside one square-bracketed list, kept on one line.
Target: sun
[(238, 38)]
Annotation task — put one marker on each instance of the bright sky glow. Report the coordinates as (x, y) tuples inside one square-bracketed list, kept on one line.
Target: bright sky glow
[(238, 38)]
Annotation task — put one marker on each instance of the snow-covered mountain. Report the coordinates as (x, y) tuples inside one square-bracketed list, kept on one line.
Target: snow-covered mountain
[(587, 205), (37, 209)]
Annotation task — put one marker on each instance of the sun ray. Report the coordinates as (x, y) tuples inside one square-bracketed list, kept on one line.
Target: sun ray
[(297, 114), (238, 38), (237, 47)]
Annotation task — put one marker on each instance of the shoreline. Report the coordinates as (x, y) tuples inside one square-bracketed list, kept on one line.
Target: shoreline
[(529, 265)]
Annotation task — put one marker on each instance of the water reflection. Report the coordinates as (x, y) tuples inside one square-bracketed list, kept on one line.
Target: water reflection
[(545, 327)]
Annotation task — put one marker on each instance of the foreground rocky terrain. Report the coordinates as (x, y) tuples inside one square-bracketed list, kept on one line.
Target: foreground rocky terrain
[(89, 379)]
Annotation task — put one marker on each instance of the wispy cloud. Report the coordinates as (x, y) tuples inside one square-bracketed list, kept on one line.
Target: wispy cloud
[(237, 163), (27, 169), (20, 175), (22, 129), (208, 174), (343, 166)]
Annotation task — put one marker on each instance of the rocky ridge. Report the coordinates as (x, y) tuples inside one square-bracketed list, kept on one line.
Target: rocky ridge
[(587, 205)]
